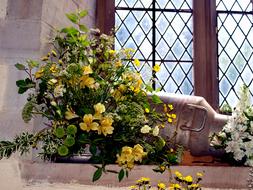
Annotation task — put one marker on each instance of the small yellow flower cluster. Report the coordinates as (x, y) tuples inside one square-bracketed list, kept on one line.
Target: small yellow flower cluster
[(129, 155), (97, 122), (167, 108)]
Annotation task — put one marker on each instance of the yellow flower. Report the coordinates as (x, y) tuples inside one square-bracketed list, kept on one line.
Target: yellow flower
[(86, 81), (106, 126), (147, 110), (161, 186), (199, 174), (70, 114), (145, 129), (137, 62), (118, 64), (170, 120), (45, 58), (178, 174), (170, 106), (155, 131), (156, 68), (112, 51), (126, 158), (122, 88), (53, 52), (39, 73), (99, 108), (138, 152), (188, 178), (173, 116), (53, 68), (87, 70), (60, 61), (88, 123), (194, 186), (174, 186), (133, 187)]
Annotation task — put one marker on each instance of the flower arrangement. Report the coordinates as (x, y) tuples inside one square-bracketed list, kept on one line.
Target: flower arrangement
[(180, 182), (92, 99), (236, 137)]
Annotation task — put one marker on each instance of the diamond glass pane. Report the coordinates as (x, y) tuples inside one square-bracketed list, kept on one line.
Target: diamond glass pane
[(161, 33), (235, 48)]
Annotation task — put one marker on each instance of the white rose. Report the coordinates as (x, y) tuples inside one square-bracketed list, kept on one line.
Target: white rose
[(145, 129), (156, 131)]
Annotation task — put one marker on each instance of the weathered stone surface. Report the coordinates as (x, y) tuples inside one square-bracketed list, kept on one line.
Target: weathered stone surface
[(3, 8), (25, 28), (214, 176)]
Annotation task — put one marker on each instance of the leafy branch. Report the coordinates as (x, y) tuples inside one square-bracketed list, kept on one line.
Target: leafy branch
[(20, 144)]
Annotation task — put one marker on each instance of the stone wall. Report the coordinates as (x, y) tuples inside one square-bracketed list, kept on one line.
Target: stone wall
[(25, 27)]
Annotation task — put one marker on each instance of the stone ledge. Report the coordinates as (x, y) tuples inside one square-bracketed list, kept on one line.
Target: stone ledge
[(214, 177)]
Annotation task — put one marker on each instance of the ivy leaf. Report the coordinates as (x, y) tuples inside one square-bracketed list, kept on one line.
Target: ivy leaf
[(20, 66), (156, 99), (97, 174), (121, 175), (83, 13), (72, 17)]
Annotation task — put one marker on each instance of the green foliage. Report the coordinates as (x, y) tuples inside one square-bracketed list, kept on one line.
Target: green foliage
[(63, 150), (121, 175), (71, 129), (91, 98), (59, 132), (27, 111), (24, 85), (20, 144), (97, 174)]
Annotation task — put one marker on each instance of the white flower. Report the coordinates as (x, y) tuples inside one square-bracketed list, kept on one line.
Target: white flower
[(145, 129), (249, 162), (222, 134), (59, 90), (239, 154), (156, 131)]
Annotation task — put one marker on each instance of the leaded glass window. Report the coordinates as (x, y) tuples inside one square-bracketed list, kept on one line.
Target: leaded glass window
[(235, 48), (161, 33)]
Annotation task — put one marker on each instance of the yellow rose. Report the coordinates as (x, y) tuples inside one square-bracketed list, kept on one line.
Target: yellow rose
[(99, 108)]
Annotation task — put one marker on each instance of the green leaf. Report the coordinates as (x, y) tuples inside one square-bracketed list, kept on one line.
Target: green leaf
[(20, 66), (121, 175), (24, 85), (97, 174), (156, 99), (149, 88), (70, 31), (83, 13), (27, 111), (72, 17), (83, 138), (32, 64), (93, 149), (83, 28), (127, 173)]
